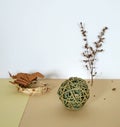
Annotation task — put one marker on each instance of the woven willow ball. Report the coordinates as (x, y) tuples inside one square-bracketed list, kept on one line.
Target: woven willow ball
[(73, 93)]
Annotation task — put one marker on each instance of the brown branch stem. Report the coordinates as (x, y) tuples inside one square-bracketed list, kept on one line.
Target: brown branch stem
[(91, 52)]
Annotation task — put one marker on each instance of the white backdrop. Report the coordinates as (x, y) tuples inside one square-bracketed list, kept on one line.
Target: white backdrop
[(44, 35)]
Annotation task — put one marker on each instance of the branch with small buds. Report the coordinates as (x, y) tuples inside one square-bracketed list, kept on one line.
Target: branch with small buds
[(90, 52)]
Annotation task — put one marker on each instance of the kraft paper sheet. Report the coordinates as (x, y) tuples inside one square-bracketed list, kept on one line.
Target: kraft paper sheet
[(101, 110)]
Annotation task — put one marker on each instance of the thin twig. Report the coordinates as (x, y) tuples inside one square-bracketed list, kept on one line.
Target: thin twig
[(91, 52)]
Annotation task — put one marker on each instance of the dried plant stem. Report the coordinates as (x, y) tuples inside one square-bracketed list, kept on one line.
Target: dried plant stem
[(91, 52)]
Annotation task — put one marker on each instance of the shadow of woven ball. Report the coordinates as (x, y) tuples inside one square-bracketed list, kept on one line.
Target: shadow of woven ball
[(74, 93)]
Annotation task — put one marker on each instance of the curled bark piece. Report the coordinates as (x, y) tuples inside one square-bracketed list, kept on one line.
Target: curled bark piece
[(25, 79)]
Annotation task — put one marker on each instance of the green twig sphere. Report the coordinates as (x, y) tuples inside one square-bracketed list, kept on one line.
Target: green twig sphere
[(73, 93)]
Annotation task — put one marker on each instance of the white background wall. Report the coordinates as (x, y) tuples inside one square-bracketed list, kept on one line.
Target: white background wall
[(44, 35)]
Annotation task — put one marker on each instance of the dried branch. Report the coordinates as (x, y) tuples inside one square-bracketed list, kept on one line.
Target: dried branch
[(90, 52)]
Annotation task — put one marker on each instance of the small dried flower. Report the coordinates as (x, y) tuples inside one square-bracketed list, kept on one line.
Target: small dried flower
[(91, 52)]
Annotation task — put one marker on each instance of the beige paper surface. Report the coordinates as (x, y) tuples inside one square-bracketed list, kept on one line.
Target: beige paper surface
[(12, 104), (101, 110)]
